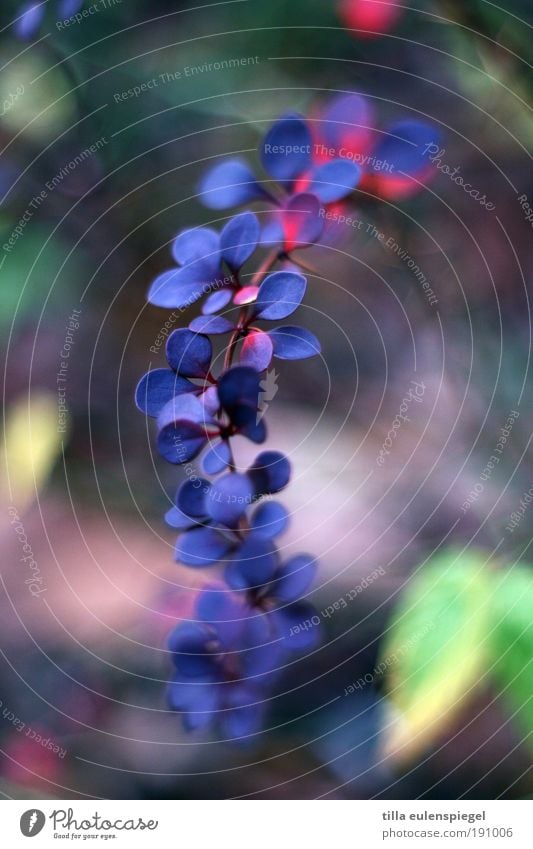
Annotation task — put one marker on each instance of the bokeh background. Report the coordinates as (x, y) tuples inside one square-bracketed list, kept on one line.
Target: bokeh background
[(429, 550)]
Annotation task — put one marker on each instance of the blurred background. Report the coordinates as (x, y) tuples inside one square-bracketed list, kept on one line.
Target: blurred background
[(422, 685)]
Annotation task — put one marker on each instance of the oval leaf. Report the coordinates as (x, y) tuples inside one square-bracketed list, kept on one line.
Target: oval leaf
[(256, 350), (280, 294), (294, 343)]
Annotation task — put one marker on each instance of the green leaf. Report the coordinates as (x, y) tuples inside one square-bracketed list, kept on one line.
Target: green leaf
[(437, 648), (512, 639)]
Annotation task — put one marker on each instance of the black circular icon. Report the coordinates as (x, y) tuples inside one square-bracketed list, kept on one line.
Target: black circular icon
[(32, 822)]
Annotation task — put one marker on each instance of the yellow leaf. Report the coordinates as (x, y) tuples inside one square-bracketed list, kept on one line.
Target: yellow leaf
[(32, 443)]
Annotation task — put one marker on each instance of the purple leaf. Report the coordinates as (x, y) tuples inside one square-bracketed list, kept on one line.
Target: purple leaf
[(198, 700), (180, 442), (184, 408), (253, 565), (27, 25), (181, 425), (255, 430), (217, 301), (270, 519), (292, 627), (256, 350), (334, 180), (294, 343), (217, 606), (239, 387), (279, 295), (189, 353), (270, 472), (176, 288), (229, 183), (67, 8), (286, 148), (157, 387), (198, 243), (294, 578), (217, 458), (191, 497), (176, 519), (404, 148), (239, 238), (188, 643), (213, 324), (209, 400), (347, 123), (264, 655), (302, 221), (228, 499), (244, 717), (201, 547)]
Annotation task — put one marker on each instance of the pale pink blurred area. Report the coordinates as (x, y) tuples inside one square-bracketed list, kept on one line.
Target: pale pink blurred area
[(102, 577)]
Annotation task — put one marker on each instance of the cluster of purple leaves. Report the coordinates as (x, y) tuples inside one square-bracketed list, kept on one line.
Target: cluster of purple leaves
[(32, 14), (317, 163), (229, 657), (245, 627)]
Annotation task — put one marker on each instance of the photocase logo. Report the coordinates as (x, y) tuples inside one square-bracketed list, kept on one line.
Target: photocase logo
[(32, 822), (269, 388)]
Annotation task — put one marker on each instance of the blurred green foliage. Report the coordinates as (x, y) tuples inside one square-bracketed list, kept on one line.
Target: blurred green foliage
[(461, 625)]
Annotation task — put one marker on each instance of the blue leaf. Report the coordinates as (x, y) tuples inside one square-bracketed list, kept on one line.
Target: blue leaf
[(294, 578), (270, 519), (238, 389), (184, 408), (176, 519), (347, 123), (243, 717), (209, 401), (279, 295), (201, 547), (228, 499), (180, 442), (27, 25), (189, 353), (297, 627), (191, 497), (217, 606), (254, 430), (286, 148), (217, 458), (257, 630), (181, 425), (404, 148), (188, 643), (253, 565), (157, 387), (239, 239), (229, 183), (272, 234), (198, 700), (294, 343), (270, 472), (198, 243), (214, 324), (256, 350), (67, 8), (177, 288), (260, 663), (335, 180), (302, 221), (216, 301)]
